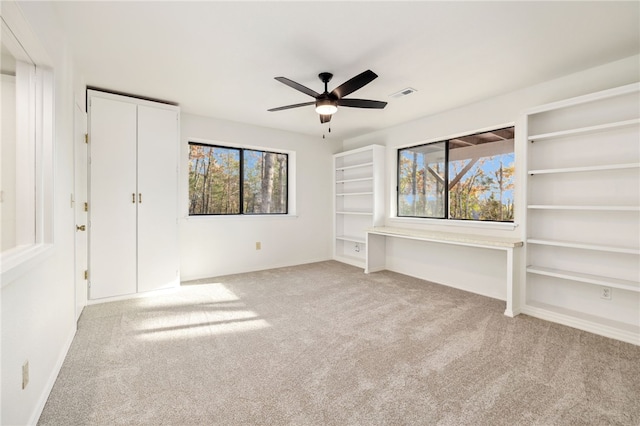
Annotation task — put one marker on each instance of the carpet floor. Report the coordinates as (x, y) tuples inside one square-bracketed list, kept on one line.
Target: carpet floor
[(325, 344)]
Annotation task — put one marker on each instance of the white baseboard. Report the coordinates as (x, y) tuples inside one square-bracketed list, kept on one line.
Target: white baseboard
[(37, 411), (185, 278), (582, 324)]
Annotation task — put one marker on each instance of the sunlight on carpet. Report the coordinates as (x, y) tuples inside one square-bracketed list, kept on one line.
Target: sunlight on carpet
[(226, 314)]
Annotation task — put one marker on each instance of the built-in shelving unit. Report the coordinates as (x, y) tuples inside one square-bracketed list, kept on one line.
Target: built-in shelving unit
[(358, 201), (583, 213)]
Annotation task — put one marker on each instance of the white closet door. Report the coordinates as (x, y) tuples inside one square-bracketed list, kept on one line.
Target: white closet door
[(158, 254), (112, 209)]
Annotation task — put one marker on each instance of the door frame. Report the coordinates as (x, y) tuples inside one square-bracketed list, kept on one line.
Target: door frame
[(80, 215)]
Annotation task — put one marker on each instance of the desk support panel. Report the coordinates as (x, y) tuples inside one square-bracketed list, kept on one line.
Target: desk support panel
[(376, 254)]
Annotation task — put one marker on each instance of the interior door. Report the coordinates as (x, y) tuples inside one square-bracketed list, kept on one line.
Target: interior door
[(112, 197), (81, 200), (158, 254)]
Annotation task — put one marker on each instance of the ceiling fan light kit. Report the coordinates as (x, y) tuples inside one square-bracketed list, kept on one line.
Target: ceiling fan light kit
[(326, 107), (327, 102)]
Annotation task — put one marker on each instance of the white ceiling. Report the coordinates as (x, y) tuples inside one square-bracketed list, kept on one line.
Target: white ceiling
[(219, 59)]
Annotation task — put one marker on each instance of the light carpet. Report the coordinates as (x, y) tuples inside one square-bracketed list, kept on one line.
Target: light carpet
[(326, 344)]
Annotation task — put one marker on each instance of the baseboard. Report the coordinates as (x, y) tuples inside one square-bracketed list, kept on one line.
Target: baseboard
[(186, 278), (42, 401), (582, 324), (141, 295)]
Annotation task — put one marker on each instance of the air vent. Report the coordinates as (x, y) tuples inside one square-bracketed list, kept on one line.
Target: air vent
[(403, 92)]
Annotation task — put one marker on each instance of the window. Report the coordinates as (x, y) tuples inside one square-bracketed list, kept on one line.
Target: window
[(468, 178), (26, 192), (230, 181)]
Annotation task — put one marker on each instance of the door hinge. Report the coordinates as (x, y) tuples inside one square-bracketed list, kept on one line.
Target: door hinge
[(86, 138), (86, 207), (86, 274)]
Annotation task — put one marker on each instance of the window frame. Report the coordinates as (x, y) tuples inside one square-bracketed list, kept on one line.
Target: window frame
[(241, 150), (34, 241), (446, 220)]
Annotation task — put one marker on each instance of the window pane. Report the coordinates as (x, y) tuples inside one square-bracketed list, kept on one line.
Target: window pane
[(8, 155), (214, 180), (421, 181), (481, 173), (265, 182)]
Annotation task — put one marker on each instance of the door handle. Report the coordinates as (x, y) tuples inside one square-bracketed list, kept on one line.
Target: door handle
[(81, 228), (139, 197)]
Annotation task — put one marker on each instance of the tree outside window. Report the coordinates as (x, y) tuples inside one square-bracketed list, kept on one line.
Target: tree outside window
[(217, 174), (467, 178)]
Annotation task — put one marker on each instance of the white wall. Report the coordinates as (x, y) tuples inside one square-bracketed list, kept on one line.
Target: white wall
[(212, 246), (476, 270), (37, 308)]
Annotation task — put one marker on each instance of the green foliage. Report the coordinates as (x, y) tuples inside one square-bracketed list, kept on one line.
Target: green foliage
[(476, 187), (214, 181)]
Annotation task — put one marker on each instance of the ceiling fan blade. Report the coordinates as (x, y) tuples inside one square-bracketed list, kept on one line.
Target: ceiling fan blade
[(362, 103), (325, 118), (291, 106), (354, 84), (298, 86)]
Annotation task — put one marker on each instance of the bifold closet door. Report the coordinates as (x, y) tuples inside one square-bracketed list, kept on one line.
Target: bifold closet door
[(158, 256), (112, 204)]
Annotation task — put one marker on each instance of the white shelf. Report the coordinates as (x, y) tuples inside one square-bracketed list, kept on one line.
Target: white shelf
[(584, 130), (347, 194), (586, 278), (358, 200), (577, 161), (583, 246), (603, 167), (355, 180), (585, 208), (351, 239), (355, 166)]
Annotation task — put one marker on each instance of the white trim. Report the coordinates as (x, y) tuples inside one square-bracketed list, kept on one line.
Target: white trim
[(34, 147), (291, 178), (33, 50), (20, 260), (230, 217), (505, 226), (132, 99), (140, 295), (185, 280), (569, 320), (455, 136), (393, 189), (51, 380), (238, 145)]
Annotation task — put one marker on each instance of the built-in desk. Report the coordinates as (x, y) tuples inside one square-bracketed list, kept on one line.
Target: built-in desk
[(376, 251)]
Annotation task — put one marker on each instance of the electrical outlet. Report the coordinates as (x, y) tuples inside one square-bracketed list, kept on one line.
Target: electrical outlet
[(258, 245), (357, 248), (605, 293), (25, 374)]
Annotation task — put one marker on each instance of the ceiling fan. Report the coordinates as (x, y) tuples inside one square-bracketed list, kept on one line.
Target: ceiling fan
[(327, 103)]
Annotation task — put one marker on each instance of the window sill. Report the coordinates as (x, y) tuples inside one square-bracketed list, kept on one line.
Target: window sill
[(20, 260), (205, 218), (504, 226)]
